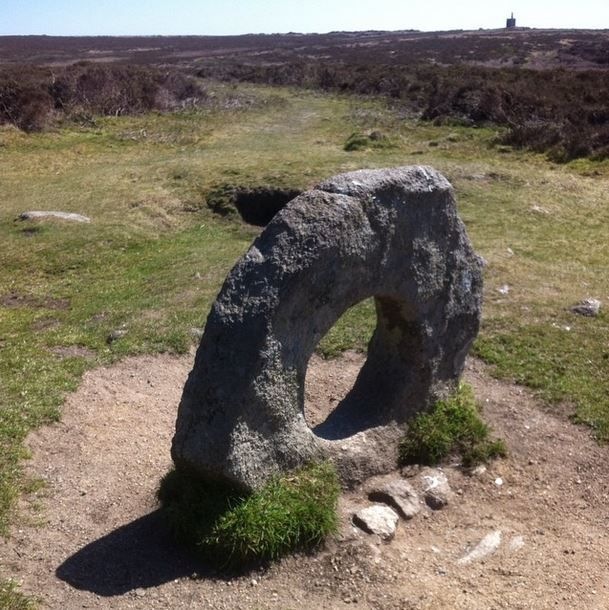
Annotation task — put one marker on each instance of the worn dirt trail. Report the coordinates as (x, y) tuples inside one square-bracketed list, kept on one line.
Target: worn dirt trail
[(93, 538)]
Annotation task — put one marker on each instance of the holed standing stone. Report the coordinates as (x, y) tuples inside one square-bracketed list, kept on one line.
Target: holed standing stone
[(391, 234)]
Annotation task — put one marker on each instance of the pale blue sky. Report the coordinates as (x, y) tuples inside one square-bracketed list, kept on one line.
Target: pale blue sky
[(147, 17)]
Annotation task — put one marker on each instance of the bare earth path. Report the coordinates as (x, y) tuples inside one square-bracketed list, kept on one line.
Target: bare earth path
[(93, 538)]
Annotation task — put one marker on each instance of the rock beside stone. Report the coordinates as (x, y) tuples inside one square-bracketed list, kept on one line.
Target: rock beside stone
[(39, 214), (435, 488), (587, 307), (398, 494), (377, 519)]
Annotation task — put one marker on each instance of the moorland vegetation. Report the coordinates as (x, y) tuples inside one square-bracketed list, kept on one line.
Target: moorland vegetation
[(148, 150)]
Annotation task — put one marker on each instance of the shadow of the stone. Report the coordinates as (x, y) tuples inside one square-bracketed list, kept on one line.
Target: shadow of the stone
[(138, 555)]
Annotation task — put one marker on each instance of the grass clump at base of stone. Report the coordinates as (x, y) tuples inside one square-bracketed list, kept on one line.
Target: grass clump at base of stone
[(230, 529), (452, 426), (11, 599)]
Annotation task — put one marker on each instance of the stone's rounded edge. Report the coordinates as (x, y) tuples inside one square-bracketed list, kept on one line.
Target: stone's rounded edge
[(240, 417), (415, 178)]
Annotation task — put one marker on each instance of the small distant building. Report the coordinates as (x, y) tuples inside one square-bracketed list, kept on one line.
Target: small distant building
[(510, 22)]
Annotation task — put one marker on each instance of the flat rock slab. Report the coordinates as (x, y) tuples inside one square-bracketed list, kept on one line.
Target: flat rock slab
[(391, 234), (398, 494), (41, 215), (377, 519), (487, 546)]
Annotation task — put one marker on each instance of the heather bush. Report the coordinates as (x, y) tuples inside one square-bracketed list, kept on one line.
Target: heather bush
[(24, 99), (560, 112), (30, 97)]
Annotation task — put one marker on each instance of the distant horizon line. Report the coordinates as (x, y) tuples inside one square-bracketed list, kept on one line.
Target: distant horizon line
[(292, 33)]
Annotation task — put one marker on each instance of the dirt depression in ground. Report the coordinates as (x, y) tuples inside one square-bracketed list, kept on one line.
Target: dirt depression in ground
[(93, 538)]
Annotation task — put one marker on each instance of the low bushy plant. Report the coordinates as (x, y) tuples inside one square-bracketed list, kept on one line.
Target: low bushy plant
[(231, 529), (452, 426), (31, 96)]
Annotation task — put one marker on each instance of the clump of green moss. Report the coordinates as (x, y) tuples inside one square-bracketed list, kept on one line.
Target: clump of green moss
[(452, 426), (362, 141), (231, 529)]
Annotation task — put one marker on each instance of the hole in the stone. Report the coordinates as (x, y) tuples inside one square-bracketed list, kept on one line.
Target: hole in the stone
[(256, 205), (333, 370)]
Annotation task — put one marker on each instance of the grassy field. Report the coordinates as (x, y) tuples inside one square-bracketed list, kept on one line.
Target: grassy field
[(152, 259)]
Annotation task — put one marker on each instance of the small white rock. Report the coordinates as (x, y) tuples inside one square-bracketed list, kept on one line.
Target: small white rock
[(377, 519), (488, 545), (588, 307), (40, 214), (516, 543)]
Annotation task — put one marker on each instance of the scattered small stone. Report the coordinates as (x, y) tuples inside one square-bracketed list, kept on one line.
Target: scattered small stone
[(504, 289), (377, 135), (499, 481), (478, 471), (253, 582), (588, 307), (540, 210), (377, 519), (398, 494), (36, 215), (435, 488), (487, 546), (115, 335)]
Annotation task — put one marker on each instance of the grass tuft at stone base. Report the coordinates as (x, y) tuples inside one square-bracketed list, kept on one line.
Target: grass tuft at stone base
[(12, 599), (230, 529), (452, 426)]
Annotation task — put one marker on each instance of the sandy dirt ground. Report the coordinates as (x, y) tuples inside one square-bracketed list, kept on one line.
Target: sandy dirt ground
[(93, 537)]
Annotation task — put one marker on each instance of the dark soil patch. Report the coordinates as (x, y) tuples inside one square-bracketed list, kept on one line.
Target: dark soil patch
[(73, 351), (45, 324), (31, 231), (14, 300), (256, 205)]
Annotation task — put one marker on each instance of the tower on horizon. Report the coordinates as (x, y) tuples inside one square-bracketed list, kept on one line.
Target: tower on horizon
[(510, 22)]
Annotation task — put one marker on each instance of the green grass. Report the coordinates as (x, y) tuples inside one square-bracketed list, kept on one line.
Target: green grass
[(11, 599), (294, 512), (351, 331), (452, 427), (154, 256)]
